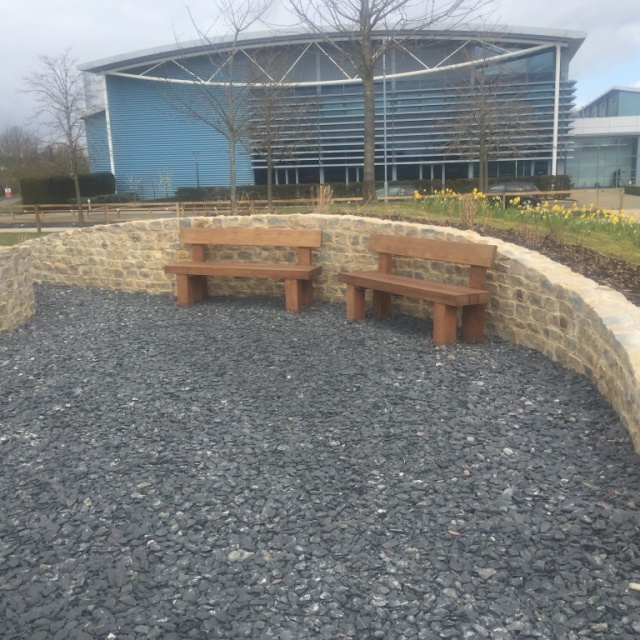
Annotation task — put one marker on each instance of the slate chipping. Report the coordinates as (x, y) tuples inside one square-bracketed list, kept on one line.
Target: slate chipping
[(231, 470)]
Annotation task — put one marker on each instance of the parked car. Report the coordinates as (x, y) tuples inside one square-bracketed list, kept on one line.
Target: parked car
[(528, 200), (396, 190)]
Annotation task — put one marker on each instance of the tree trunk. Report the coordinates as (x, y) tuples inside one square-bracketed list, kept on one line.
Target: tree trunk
[(483, 161), (233, 132), (269, 177), (369, 173), (482, 170), (369, 99), (232, 174), (76, 184)]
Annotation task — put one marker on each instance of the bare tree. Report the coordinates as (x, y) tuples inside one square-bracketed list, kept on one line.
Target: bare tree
[(492, 115), (136, 186), (59, 91), (350, 26), (220, 97), (22, 155), (54, 160), (279, 129), (279, 126), (19, 156), (165, 181)]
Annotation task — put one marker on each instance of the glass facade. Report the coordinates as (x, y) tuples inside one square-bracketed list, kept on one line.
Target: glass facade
[(417, 118), (431, 92), (604, 161), (607, 141)]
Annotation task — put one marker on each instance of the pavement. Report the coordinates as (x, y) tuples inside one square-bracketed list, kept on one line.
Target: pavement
[(609, 199)]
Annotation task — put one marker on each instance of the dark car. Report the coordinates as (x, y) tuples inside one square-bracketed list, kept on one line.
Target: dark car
[(514, 188)]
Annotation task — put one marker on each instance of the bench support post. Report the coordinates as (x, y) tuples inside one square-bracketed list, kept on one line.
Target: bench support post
[(184, 291), (381, 304), (190, 289), (444, 324), (473, 323), (355, 303), (294, 295), (200, 286), (307, 293)]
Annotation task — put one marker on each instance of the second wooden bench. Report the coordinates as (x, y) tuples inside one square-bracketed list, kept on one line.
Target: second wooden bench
[(191, 275), (446, 298)]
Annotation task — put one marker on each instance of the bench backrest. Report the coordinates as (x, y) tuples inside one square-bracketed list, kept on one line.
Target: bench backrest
[(302, 239), (479, 257), (310, 238)]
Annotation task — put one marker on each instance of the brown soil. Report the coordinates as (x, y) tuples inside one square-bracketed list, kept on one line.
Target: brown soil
[(618, 274)]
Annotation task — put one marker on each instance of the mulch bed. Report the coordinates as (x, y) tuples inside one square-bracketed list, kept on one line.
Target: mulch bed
[(620, 275)]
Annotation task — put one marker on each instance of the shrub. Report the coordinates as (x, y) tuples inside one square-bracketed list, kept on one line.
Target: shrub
[(462, 185), (553, 183), (254, 192), (113, 197), (280, 191), (61, 190)]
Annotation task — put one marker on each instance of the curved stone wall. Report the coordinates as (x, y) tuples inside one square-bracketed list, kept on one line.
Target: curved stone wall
[(537, 302), (17, 301)]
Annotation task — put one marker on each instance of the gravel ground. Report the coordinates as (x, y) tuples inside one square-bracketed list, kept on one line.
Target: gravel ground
[(231, 470)]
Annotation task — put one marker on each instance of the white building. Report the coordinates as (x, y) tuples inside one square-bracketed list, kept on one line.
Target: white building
[(606, 138)]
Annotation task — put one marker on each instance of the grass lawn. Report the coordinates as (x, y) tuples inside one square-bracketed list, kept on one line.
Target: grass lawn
[(608, 236), (11, 238)]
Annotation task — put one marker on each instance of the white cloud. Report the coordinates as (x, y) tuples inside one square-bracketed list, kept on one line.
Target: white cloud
[(96, 29), (611, 52)]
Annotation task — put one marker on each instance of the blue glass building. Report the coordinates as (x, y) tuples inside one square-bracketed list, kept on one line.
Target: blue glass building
[(138, 126)]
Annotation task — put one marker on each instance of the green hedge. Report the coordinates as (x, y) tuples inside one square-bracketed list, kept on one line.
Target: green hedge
[(254, 192), (354, 189), (632, 189), (289, 191), (552, 183), (467, 185), (113, 198), (61, 190), (544, 183)]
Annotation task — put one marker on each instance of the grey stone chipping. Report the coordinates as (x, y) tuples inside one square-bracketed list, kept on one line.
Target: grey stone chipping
[(234, 471)]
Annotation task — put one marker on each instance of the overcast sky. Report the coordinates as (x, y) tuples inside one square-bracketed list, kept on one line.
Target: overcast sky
[(95, 29)]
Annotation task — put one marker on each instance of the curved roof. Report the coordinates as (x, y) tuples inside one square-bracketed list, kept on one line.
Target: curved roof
[(526, 35)]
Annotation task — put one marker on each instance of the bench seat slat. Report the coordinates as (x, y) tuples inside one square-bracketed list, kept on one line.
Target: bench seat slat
[(244, 270), (452, 295)]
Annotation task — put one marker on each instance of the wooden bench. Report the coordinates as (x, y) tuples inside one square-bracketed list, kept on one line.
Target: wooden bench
[(445, 297), (191, 275)]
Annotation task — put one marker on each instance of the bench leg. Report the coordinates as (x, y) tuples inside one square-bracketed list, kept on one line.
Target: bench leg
[(190, 289), (307, 293), (355, 303), (473, 323), (186, 290), (200, 288), (444, 324), (294, 295), (381, 304)]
